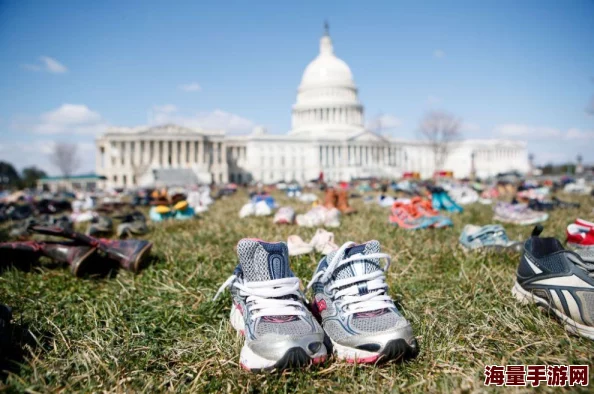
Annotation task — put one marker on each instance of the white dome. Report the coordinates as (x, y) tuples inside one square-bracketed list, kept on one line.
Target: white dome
[(327, 69), (327, 99)]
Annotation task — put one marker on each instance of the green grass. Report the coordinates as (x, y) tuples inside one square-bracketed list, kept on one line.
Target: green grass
[(160, 331)]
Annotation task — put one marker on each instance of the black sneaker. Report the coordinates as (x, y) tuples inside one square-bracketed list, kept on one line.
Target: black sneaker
[(557, 279)]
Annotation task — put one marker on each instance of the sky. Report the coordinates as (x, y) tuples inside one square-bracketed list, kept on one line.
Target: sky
[(521, 70)]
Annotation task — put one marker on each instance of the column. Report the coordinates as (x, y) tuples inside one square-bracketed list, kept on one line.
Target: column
[(146, 158), (128, 154), (98, 154), (166, 153), (201, 152), (184, 154), (190, 160), (137, 153)]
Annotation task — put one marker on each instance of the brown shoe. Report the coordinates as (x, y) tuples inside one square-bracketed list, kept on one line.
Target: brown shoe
[(343, 203), (131, 254), (82, 259), (330, 199)]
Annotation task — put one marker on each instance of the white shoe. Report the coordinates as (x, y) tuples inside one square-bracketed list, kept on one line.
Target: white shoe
[(248, 209), (323, 242), (285, 215), (263, 209), (313, 218), (332, 218), (298, 246)]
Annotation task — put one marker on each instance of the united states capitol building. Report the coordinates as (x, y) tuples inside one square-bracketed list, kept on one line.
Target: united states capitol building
[(328, 136)]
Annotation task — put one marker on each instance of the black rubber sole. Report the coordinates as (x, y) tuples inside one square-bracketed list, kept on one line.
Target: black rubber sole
[(294, 358), (399, 350)]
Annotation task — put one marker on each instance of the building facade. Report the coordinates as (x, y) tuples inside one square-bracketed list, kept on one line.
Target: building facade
[(327, 136)]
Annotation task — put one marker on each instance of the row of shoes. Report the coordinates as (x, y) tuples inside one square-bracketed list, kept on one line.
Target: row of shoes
[(85, 255), (131, 224), (351, 314), (322, 242), (518, 214), (417, 213), (559, 280), (489, 238)]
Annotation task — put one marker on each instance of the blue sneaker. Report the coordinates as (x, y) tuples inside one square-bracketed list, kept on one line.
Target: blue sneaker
[(558, 280), (351, 300), (270, 310), (448, 204), (489, 238)]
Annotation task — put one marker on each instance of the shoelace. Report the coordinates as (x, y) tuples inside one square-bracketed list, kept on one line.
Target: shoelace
[(265, 298), (349, 299)]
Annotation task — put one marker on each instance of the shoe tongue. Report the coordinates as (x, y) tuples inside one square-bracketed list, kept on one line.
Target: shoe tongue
[(261, 261), (359, 267)]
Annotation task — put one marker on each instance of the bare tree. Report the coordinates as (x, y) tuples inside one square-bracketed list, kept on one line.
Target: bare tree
[(441, 130), (65, 157)]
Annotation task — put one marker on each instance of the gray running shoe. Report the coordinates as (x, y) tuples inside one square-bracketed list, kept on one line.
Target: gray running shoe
[(351, 299), (270, 310)]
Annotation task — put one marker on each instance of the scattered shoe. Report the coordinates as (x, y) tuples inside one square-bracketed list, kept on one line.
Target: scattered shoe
[(406, 216), (270, 310), (558, 280), (298, 246), (262, 208), (284, 215), (488, 238), (358, 315), (518, 214), (580, 239), (101, 226), (323, 242)]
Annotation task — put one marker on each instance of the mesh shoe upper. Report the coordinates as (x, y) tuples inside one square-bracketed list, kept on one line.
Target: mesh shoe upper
[(260, 261), (337, 322)]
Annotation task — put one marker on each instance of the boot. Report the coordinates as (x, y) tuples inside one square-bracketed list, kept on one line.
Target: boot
[(83, 259), (343, 203), (330, 199), (21, 255), (131, 254)]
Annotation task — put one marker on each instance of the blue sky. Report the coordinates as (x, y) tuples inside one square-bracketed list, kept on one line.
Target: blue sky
[(510, 69)]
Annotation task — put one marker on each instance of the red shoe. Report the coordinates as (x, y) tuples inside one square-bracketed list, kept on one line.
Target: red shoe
[(580, 239), (581, 236), (408, 217), (584, 223)]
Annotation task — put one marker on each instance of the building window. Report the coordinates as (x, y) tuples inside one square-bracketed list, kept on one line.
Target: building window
[(124, 180)]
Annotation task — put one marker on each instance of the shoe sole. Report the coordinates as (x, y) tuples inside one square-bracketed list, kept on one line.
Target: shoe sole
[(295, 357), (394, 350), (570, 325)]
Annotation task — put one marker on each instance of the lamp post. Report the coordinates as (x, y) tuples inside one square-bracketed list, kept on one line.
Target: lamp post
[(531, 162), (472, 165), (579, 168)]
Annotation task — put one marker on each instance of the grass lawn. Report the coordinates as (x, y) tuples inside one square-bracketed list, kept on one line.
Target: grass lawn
[(160, 331)]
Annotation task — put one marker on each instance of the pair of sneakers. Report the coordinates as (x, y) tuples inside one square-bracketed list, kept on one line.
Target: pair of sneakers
[(351, 315)]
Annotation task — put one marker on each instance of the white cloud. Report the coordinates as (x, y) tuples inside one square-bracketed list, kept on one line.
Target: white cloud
[(66, 119), (191, 87), (439, 54), (214, 120), (383, 122), (48, 64), (538, 132)]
